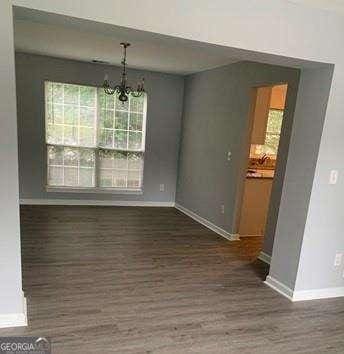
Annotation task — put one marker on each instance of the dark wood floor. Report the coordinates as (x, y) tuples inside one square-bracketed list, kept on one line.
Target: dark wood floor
[(151, 280)]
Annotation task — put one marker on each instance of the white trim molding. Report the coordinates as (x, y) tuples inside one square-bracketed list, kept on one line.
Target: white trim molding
[(313, 294), (89, 202), (251, 235), (14, 319), (279, 287), (93, 190), (303, 295), (264, 257), (208, 224)]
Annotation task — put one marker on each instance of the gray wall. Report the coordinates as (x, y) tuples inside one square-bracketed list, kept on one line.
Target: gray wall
[(165, 99), (215, 121), (290, 233), (11, 301), (300, 32)]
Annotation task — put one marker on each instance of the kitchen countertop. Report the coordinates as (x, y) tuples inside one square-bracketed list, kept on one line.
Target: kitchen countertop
[(260, 174)]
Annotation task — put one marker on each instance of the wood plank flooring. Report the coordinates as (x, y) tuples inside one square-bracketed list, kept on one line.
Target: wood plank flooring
[(151, 280)]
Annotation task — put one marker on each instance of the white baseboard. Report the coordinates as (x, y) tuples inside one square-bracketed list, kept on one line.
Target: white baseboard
[(264, 257), (208, 224), (234, 237), (94, 202), (279, 287), (314, 294), (303, 295), (251, 235), (14, 319)]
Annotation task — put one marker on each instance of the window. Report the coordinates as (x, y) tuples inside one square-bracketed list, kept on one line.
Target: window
[(93, 140), (272, 137)]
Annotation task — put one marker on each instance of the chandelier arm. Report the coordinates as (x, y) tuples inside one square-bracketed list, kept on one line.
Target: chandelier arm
[(128, 89), (109, 90), (136, 93), (118, 88)]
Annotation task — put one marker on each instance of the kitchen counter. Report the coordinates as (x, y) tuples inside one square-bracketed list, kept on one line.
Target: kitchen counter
[(260, 173)]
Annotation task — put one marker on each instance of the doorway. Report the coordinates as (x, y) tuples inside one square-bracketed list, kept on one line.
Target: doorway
[(266, 112)]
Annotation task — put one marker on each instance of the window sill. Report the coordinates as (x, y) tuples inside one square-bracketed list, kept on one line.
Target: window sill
[(50, 189)]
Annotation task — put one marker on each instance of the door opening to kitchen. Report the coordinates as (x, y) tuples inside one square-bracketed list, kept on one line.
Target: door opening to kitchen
[(266, 110)]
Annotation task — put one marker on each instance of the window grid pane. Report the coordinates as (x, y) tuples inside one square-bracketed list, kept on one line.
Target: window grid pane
[(124, 131), (66, 165), (65, 126), (74, 115), (120, 169)]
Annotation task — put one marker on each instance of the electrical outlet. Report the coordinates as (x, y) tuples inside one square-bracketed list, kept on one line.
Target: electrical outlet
[(222, 209), (229, 156), (162, 187), (338, 259), (333, 177)]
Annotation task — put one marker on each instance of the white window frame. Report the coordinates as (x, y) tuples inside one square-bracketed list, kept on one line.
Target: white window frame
[(96, 149)]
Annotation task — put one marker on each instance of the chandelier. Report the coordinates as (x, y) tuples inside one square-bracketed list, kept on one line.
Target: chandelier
[(123, 90)]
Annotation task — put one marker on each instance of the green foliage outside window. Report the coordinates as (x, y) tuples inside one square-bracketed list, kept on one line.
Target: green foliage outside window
[(273, 132), (93, 140)]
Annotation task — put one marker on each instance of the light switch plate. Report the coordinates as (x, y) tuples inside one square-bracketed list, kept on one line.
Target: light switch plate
[(162, 187), (333, 177), (338, 259)]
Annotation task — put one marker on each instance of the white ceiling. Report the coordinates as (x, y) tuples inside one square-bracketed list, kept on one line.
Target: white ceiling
[(336, 6), (65, 37)]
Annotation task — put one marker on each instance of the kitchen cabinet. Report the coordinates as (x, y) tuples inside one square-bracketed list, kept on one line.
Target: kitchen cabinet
[(259, 111), (255, 206), (278, 97)]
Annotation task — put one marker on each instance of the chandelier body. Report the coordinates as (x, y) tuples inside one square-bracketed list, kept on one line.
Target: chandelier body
[(123, 90)]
